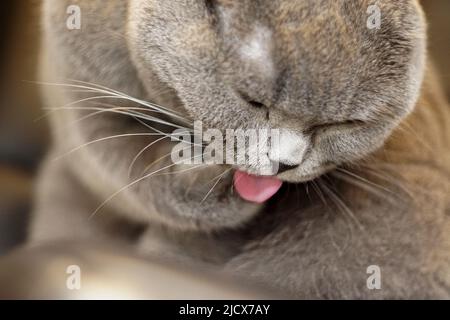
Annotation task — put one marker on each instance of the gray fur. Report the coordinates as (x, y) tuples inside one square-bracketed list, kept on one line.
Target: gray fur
[(328, 67)]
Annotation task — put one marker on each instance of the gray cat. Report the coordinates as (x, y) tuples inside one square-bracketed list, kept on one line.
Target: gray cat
[(364, 157)]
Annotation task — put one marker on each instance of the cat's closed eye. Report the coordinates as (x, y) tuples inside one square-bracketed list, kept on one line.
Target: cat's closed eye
[(336, 126)]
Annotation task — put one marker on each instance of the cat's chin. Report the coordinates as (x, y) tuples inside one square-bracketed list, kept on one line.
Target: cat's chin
[(204, 199), (208, 197)]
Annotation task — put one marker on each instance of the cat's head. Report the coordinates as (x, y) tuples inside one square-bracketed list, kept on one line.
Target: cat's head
[(336, 77)]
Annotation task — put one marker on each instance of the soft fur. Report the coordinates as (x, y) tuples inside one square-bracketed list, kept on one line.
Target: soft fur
[(371, 189)]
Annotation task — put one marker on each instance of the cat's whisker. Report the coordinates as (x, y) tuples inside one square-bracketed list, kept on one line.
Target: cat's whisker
[(132, 113), (350, 226), (139, 101), (405, 186), (181, 171), (119, 95), (362, 185), (80, 90), (104, 203), (174, 137), (192, 182), (340, 203), (307, 191), (110, 105), (160, 159), (399, 182), (408, 128), (69, 105), (97, 86), (319, 193), (133, 162), (105, 110), (215, 184), (364, 180), (216, 177), (104, 139)]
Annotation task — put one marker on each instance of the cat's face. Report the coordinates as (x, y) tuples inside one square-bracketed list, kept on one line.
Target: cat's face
[(315, 70), (322, 72)]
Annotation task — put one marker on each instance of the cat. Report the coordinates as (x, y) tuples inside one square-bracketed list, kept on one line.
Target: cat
[(364, 160)]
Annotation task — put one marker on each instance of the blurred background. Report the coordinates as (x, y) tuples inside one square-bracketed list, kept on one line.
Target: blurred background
[(23, 140)]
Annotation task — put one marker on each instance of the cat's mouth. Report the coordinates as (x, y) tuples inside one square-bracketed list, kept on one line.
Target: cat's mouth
[(259, 189)]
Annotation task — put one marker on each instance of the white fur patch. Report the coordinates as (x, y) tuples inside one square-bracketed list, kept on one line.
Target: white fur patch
[(289, 149), (257, 49)]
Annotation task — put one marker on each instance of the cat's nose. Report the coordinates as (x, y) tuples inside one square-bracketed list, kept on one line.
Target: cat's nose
[(251, 101)]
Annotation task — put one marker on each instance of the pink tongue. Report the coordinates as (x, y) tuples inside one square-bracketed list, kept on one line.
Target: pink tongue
[(256, 189)]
